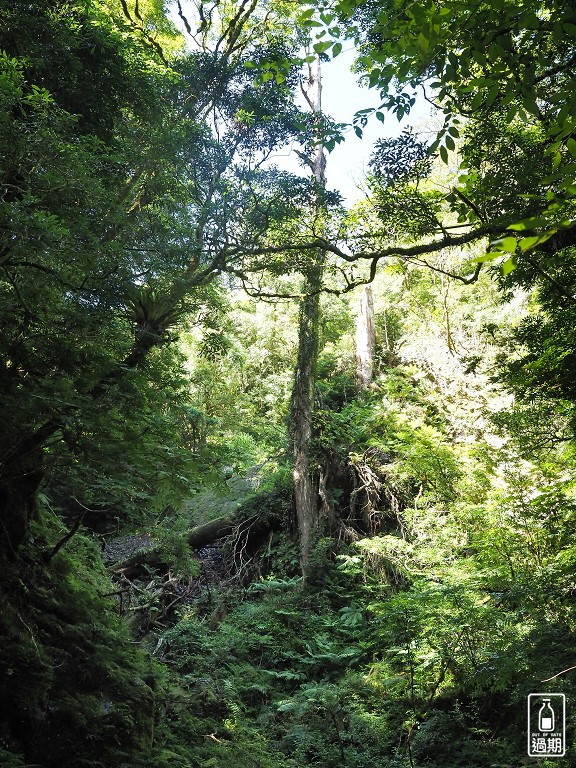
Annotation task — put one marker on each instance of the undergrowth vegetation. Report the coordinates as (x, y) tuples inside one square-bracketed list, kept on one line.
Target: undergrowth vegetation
[(442, 598)]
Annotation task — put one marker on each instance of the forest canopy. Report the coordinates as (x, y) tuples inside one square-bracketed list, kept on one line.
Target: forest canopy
[(284, 480)]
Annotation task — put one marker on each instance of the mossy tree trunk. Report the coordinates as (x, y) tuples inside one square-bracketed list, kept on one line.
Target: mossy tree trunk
[(305, 478)]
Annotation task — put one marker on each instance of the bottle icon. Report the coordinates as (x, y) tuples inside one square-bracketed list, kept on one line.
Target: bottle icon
[(546, 716)]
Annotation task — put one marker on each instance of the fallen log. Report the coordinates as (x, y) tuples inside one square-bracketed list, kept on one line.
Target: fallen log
[(156, 557), (247, 535), (210, 532)]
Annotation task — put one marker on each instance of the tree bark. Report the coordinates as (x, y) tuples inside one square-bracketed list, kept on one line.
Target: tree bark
[(305, 480), (365, 338)]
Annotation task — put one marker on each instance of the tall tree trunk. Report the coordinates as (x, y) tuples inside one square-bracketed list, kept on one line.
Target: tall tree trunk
[(365, 338), (305, 480)]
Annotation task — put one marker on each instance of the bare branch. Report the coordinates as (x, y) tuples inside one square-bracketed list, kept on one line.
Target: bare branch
[(466, 280)]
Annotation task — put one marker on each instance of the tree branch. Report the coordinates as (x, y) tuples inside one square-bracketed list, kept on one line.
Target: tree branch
[(65, 539)]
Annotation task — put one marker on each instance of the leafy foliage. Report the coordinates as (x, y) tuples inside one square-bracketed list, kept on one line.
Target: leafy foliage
[(400, 160), (136, 200), (68, 665)]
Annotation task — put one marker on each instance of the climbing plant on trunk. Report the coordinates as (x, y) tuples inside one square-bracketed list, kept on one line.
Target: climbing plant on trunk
[(305, 476)]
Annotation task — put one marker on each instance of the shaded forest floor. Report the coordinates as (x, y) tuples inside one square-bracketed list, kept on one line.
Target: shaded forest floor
[(442, 599)]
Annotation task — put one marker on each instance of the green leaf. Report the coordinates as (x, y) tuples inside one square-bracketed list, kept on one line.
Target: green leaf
[(337, 49), (327, 18), (509, 266), (531, 222), (528, 20), (571, 144), (506, 244), (444, 154), (322, 47), (307, 14), (511, 114), (492, 95), (486, 257), (477, 101), (423, 42), (526, 243), (373, 78)]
